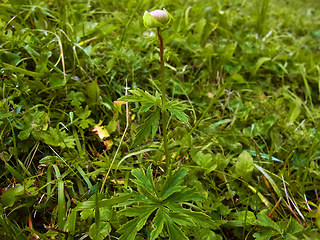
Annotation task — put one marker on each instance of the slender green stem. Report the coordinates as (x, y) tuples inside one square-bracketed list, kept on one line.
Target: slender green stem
[(164, 112)]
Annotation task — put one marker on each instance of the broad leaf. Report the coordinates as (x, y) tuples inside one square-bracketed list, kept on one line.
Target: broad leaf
[(104, 230), (264, 235), (93, 91), (9, 196), (101, 131), (264, 220), (244, 165), (57, 138)]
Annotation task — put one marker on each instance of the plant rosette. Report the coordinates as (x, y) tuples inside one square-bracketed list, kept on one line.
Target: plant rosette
[(157, 19)]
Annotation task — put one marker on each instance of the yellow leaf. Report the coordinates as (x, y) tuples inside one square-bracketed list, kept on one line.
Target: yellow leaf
[(108, 143), (119, 181), (119, 103), (101, 131)]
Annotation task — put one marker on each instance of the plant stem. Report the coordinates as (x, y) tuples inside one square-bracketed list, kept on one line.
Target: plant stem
[(164, 112)]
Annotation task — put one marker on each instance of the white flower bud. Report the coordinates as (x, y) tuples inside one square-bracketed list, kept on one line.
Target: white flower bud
[(156, 18)]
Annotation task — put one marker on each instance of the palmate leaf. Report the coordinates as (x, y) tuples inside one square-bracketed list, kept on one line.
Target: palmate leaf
[(146, 107), (144, 180), (145, 183), (181, 219), (167, 204), (173, 230), (177, 110), (184, 196), (158, 223), (57, 138), (141, 96), (149, 126), (138, 210), (129, 230), (200, 219), (195, 218), (173, 182)]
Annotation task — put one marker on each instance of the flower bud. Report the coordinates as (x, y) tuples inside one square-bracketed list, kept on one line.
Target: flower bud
[(156, 18)]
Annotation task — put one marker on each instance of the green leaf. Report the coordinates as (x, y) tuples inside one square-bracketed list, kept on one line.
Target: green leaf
[(145, 183), (9, 196), (14, 171), (70, 226), (264, 235), (83, 113), (61, 205), (244, 165), (158, 223), (181, 219), (149, 126), (259, 63), (90, 204), (23, 135), (21, 70), (273, 184), (173, 230), (201, 219), (56, 81), (172, 183), (155, 122), (177, 110), (295, 110), (294, 226), (58, 138), (246, 217), (185, 195), (238, 78), (144, 108), (137, 210), (93, 91), (141, 96), (264, 220), (76, 98), (129, 230), (229, 51), (104, 230), (206, 234), (198, 218), (204, 160), (49, 160), (144, 180)]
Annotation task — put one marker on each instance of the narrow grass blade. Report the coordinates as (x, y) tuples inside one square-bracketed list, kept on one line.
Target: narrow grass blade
[(84, 176), (61, 205), (273, 184), (103, 203)]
